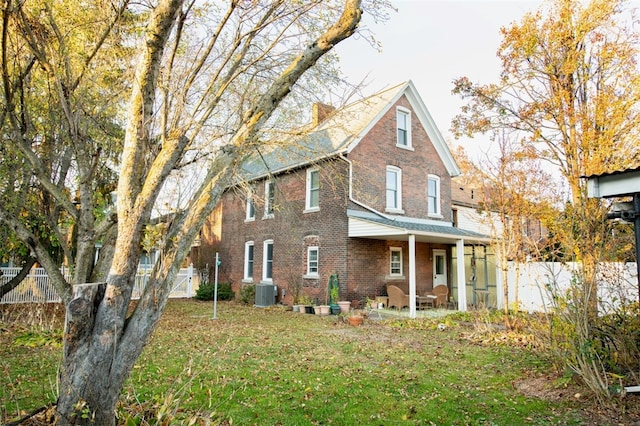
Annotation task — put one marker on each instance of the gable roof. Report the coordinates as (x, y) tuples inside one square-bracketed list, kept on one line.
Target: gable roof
[(343, 130)]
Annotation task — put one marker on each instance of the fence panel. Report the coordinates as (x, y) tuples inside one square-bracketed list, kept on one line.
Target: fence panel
[(36, 287), (617, 284)]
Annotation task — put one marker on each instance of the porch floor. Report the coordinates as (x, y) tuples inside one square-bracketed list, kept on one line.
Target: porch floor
[(404, 313)]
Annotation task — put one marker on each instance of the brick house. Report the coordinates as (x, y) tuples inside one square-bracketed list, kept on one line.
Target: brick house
[(365, 194)]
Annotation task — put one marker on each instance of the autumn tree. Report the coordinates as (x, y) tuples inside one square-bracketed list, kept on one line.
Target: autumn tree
[(516, 195), (569, 89), (111, 96)]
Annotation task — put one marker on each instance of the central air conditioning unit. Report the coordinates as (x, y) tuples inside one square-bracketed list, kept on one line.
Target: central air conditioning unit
[(265, 295)]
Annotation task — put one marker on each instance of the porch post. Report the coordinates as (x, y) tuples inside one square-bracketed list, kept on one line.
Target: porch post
[(462, 283), (500, 282), (412, 276)]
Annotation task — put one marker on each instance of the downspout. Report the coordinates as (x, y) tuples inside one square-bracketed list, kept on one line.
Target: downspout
[(364, 206)]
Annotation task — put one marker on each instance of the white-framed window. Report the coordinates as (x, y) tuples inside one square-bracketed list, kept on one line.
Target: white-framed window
[(433, 195), (313, 190), (269, 198), (395, 261), (248, 260), (394, 188), (312, 261), (403, 118), (267, 261), (251, 208)]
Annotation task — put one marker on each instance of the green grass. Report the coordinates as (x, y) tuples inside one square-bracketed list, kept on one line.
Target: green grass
[(271, 367)]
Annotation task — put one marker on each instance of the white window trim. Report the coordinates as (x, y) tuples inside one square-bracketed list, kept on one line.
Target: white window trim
[(391, 251), (267, 203), (398, 172), (438, 212), (265, 260), (308, 208), (309, 273), (409, 145), (246, 277), (250, 202)]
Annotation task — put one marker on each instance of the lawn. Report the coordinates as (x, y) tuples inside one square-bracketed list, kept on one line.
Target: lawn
[(275, 367)]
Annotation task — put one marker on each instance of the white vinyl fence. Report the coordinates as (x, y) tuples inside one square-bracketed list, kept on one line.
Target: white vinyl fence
[(536, 281), (36, 288)]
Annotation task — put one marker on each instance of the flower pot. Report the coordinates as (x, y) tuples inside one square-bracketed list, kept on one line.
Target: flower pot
[(296, 308), (355, 320), (316, 310), (344, 306), (335, 309), (308, 309), (324, 310)]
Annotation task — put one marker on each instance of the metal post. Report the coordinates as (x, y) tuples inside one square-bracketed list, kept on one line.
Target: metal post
[(636, 209), (215, 287)]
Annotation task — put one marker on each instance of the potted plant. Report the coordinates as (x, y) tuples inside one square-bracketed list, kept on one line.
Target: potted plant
[(355, 318), (306, 306), (335, 307)]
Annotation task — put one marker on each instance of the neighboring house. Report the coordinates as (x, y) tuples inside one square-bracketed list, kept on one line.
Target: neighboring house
[(365, 194)]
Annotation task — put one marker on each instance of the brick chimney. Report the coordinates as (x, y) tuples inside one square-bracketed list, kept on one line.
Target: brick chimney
[(321, 112)]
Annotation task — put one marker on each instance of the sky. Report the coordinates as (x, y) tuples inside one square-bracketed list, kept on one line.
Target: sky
[(433, 42)]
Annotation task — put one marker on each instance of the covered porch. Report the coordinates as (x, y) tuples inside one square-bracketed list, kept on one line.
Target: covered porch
[(432, 255)]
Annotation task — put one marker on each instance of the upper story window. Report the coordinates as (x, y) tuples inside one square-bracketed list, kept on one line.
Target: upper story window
[(248, 260), (403, 117), (395, 261), (312, 261), (251, 208), (394, 188), (269, 198), (313, 190), (433, 196), (267, 261)]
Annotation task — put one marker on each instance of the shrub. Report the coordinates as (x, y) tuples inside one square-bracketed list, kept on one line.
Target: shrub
[(248, 294), (206, 289)]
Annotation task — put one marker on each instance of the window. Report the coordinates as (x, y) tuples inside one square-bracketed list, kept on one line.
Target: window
[(313, 190), (404, 128), (251, 208), (312, 261), (248, 260), (395, 261), (394, 188), (267, 261), (433, 195), (269, 198)]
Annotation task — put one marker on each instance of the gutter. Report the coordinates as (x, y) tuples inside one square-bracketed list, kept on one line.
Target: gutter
[(364, 206)]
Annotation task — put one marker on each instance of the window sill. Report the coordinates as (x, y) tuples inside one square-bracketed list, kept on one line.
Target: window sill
[(266, 281), (252, 219), (395, 211), (407, 147), (435, 216), (267, 216), (394, 278), (312, 210), (311, 276), (247, 281)]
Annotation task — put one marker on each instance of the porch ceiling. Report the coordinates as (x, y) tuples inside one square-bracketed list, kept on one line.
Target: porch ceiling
[(380, 228)]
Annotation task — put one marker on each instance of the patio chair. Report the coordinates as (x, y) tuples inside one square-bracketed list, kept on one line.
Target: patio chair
[(440, 292), (397, 298)]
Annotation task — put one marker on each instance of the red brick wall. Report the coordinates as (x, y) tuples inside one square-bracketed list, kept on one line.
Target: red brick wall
[(291, 230), (369, 261), (378, 149)]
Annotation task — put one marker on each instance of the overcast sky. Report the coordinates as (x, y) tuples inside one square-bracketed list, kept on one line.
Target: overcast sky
[(432, 42)]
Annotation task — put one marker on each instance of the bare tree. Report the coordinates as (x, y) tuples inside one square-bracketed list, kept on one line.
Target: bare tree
[(198, 84)]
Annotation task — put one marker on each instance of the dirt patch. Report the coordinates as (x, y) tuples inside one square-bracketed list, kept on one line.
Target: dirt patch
[(623, 412)]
